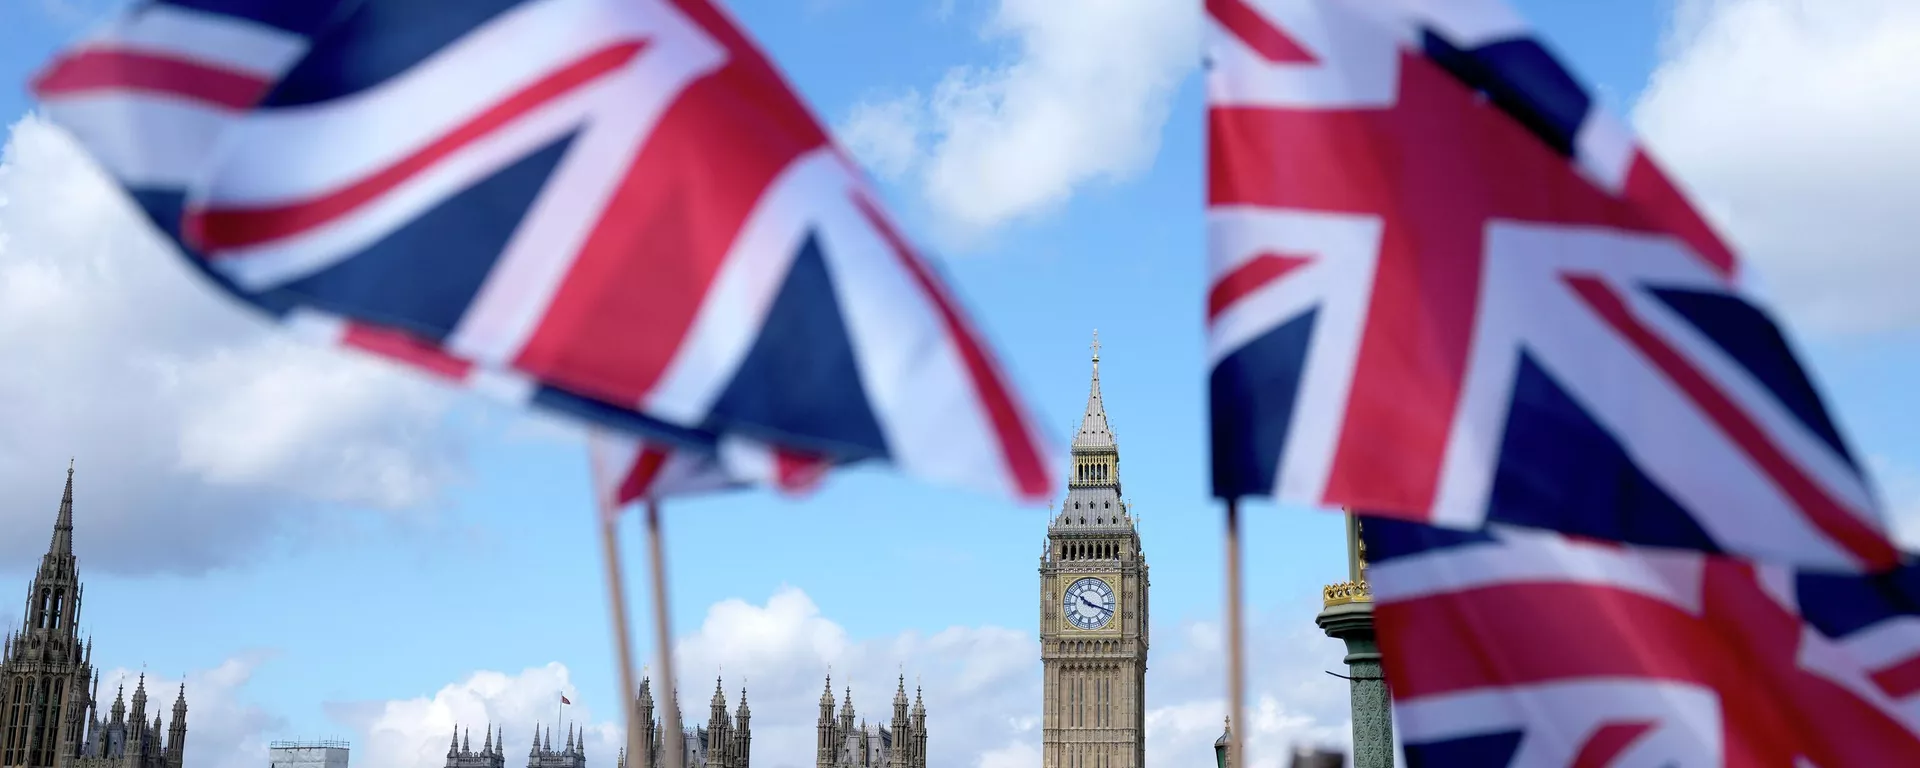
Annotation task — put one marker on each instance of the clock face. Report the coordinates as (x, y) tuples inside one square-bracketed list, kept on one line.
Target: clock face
[(1089, 603)]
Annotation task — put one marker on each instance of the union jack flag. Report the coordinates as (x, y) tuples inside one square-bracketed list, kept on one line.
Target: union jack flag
[(629, 469), (1448, 287), (616, 209), (1525, 647)]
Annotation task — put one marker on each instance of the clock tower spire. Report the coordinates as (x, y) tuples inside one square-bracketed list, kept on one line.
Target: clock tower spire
[(1093, 608)]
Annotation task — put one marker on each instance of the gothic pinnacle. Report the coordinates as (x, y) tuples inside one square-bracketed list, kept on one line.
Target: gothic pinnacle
[(1094, 432), (62, 543)]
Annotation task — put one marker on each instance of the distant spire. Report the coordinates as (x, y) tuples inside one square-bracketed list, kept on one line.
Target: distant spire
[(466, 741), (486, 746), (63, 525), (1094, 432)]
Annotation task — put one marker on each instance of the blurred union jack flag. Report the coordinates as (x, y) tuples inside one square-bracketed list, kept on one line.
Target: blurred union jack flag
[(1448, 287), (616, 209), (1523, 647)]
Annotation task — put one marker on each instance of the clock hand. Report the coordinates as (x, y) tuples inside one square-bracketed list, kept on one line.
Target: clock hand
[(1091, 604)]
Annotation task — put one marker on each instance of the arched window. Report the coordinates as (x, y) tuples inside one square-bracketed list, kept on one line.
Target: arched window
[(59, 596), (40, 615)]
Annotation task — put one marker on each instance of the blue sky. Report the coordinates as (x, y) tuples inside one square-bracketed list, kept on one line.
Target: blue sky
[(485, 559)]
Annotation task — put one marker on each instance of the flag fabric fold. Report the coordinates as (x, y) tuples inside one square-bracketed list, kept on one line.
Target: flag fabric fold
[(1522, 647), (1448, 287), (612, 209), (629, 469)]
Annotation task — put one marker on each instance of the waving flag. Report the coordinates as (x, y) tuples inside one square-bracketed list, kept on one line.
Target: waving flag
[(1876, 618), (630, 469), (1527, 648), (1447, 287), (612, 208)]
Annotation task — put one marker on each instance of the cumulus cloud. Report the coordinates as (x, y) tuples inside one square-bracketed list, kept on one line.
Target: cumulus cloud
[(1083, 99), (1794, 121), (224, 730), (197, 429), (416, 732), (981, 686)]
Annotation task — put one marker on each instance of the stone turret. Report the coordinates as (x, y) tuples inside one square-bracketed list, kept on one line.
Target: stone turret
[(842, 744), (177, 731), (725, 742), (827, 735), (492, 754)]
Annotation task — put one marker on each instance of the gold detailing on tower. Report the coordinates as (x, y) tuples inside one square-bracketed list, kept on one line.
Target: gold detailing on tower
[(1346, 592)]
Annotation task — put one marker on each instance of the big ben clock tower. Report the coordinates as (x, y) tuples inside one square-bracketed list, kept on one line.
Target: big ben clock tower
[(1093, 610)]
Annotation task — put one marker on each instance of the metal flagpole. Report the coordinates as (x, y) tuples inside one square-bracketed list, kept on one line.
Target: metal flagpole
[(616, 591), (1236, 655), (663, 636)]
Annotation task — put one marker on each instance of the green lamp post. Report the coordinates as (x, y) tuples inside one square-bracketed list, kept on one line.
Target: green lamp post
[(1220, 758), (1348, 617)]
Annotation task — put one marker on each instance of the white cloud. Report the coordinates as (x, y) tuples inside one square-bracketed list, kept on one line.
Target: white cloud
[(223, 729), (1083, 99), (981, 685), (885, 135), (416, 732), (197, 428), (1795, 122)]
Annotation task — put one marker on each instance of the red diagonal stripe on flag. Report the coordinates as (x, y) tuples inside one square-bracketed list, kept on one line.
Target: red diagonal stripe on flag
[(405, 348), (216, 229), (1257, 273), (638, 483), (1824, 511), (1260, 35), (1607, 742), (1016, 445), (106, 69), (1900, 680)]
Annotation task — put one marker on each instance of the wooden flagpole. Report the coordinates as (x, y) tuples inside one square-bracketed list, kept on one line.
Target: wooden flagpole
[(1236, 653), (663, 637), (616, 589)]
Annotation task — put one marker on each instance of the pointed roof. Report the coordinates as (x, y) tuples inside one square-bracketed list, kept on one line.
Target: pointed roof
[(1094, 433), (62, 543)]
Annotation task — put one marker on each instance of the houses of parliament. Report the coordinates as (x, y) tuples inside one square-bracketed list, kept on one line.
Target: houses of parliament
[(1093, 640), (50, 691), (1093, 632)]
